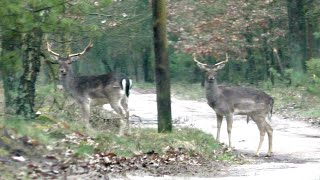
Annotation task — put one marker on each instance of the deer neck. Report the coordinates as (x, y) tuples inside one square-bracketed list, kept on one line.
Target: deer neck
[(212, 91)]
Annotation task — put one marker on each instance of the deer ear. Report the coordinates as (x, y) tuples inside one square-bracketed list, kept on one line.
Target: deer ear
[(56, 58), (73, 59)]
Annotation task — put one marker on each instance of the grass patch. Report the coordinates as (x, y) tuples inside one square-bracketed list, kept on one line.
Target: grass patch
[(146, 140), (70, 137), (189, 91), (83, 149), (297, 99), (34, 129)]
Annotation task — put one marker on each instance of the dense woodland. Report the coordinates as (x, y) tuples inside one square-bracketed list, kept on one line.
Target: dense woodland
[(271, 42)]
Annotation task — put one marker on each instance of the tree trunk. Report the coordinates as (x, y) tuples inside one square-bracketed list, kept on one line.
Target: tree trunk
[(297, 34), (162, 66), (9, 66), (250, 74), (31, 66), (147, 65)]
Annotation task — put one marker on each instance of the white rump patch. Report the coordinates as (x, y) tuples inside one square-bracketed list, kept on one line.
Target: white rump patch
[(123, 83), (130, 81)]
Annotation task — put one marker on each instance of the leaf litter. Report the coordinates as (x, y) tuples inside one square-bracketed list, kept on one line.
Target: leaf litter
[(61, 161)]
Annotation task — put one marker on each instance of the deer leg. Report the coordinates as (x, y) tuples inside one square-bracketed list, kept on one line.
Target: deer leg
[(85, 106), (116, 106), (124, 103), (261, 127), (229, 127), (269, 132), (219, 122)]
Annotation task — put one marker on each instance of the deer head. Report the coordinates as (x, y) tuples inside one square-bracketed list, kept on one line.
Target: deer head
[(65, 62), (210, 70)]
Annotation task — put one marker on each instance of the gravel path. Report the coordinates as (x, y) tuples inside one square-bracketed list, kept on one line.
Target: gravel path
[(296, 143)]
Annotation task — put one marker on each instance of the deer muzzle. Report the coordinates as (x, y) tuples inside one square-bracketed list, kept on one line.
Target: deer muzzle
[(63, 71)]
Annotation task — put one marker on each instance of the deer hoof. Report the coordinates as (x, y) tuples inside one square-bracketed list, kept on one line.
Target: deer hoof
[(269, 154)]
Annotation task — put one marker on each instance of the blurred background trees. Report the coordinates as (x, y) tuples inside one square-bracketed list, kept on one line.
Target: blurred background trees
[(270, 42)]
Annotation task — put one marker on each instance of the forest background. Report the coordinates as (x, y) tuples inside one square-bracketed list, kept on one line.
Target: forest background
[(269, 43)]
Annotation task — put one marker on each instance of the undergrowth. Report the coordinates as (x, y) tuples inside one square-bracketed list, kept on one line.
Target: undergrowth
[(51, 133)]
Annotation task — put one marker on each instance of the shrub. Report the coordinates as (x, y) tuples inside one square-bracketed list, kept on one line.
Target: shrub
[(313, 69)]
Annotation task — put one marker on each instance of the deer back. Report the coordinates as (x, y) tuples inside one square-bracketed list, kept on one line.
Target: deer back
[(241, 100), (103, 86)]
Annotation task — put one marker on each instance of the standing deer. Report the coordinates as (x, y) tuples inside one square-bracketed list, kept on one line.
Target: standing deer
[(102, 89), (228, 101)]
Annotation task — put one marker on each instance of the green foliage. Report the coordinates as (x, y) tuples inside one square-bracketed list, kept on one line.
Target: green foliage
[(84, 149), (296, 78), (313, 66), (182, 68), (35, 129), (317, 35), (313, 69)]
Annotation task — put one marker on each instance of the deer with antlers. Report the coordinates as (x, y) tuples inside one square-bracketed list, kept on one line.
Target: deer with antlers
[(111, 88), (229, 101)]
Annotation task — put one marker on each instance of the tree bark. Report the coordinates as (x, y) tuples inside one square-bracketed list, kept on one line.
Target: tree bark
[(297, 34), (31, 66), (9, 66), (162, 66)]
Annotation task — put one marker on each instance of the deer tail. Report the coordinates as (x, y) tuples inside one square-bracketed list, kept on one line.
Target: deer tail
[(126, 84), (270, 109)]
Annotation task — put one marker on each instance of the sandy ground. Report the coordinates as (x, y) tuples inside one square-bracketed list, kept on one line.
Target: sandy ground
[(296, 144)]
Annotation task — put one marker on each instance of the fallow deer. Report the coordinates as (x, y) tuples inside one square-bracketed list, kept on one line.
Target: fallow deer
[(228, 101), (111, 88)]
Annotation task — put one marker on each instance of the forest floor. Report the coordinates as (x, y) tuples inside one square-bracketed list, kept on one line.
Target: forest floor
[(296, 148)]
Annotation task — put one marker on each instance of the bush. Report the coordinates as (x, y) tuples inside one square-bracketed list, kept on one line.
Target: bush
[(296, 78), (313, 69), (183, 69)]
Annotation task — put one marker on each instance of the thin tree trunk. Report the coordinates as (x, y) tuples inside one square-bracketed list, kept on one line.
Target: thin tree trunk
[(162, 66)]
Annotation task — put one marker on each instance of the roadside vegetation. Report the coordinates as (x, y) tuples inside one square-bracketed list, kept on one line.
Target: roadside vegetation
[(53, 143)]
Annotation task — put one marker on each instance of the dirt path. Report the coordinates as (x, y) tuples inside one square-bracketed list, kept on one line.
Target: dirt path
[(296, 143)]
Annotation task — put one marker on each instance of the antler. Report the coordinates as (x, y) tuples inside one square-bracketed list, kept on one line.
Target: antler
[(195, 60), (89, 46), (52, 52), (217, 66), (223, 62)]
